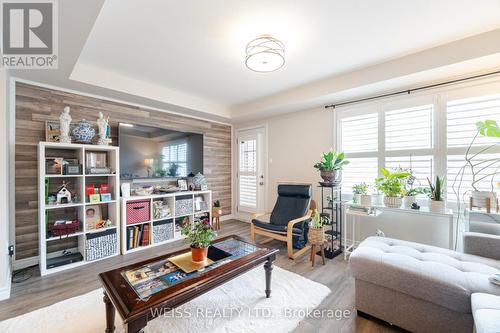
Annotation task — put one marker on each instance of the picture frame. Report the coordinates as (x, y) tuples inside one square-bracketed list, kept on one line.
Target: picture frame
[(182, 184), (93, 215), (54, 165), (95, 198), (53, 130), (96, 159), (105, 197)]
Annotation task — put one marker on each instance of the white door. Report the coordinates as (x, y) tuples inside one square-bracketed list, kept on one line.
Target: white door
[(250, 175)]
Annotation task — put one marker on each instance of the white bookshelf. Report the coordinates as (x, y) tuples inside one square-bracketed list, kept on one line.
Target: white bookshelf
[(53, 246), (175, 216)]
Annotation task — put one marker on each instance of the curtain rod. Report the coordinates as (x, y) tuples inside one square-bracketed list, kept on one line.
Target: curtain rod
[(409, 91)]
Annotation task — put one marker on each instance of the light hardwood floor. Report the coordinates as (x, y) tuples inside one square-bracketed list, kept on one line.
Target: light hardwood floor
[(38, 292)]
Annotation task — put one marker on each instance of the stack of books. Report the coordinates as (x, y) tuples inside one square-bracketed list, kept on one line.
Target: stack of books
[(137, 236)]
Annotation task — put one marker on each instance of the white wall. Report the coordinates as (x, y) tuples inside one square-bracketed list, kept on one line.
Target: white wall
[(295, 142), (5, 272)]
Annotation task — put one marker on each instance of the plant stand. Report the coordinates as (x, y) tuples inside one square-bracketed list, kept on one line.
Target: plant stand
[(334, 212), (321, 252)]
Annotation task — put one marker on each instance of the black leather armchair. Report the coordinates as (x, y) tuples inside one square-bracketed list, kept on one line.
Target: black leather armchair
[(289, 220)]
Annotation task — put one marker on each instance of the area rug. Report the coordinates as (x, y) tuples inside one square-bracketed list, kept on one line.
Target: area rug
[(237, 306)]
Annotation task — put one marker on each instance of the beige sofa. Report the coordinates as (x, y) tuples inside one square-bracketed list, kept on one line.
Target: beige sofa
[(423, 288)]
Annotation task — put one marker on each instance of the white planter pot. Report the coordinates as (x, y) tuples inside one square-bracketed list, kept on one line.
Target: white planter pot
[(409, 200), (365, 200), (393, 202), (377, 199), (356, 198), (479, 199), (437, 206)]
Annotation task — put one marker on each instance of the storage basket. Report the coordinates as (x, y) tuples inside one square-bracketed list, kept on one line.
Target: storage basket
[(100, 245), (138, 211), (316, 236), (183, 207), (163, 230)]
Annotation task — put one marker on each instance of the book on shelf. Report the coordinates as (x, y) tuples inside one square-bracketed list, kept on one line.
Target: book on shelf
[(145, 235)]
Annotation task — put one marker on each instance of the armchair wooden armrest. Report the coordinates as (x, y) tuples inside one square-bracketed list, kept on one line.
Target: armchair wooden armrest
[(289, 235)]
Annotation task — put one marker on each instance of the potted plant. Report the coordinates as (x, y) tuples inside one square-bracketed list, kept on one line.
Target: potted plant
[(435, 193), (391, 184), (200, 235), (410, 196), (360, 194), (330, 166), (480, 168), (316, 234)]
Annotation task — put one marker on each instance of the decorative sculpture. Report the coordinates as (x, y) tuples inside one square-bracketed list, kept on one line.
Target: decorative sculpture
[(65, 122), (103, 126)]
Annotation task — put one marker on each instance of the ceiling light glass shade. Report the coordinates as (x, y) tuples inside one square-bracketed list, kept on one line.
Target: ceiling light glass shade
[(265, 54)]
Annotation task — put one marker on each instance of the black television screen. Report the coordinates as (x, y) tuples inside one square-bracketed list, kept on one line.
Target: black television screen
[(152, 152)]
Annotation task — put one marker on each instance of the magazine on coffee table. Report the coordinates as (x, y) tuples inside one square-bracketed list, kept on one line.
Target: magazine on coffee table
[(162, 274)]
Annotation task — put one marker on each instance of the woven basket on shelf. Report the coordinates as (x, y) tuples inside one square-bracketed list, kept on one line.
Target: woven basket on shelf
[(316, 235)]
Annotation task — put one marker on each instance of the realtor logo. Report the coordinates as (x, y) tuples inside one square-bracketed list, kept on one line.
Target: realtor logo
[(29, 34)]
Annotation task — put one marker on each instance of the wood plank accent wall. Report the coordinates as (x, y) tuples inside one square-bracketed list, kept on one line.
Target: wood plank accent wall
[(35, 105)]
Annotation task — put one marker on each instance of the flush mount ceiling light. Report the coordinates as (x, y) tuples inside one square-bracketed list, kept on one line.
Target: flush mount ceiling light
[(265, 54)]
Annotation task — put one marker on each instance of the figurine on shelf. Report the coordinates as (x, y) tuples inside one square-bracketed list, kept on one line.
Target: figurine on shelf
[(64, 124), (63, 195), (103, 126)]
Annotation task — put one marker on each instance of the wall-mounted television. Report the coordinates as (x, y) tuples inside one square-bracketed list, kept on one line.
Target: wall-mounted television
[(153, 152)]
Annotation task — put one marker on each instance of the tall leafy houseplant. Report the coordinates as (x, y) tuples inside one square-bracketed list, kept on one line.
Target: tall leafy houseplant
[(482, 170), (392, 184), (331, 164)]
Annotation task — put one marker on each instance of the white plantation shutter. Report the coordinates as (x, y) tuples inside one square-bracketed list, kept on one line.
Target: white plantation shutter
[(421, 166), (359, 136), (462, 115), (359, 170), (389, 137), (248, 173), (360, 133), (409, 128)]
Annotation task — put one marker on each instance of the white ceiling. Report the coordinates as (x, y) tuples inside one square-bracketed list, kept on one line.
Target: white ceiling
[(197, 48), (187, 56)]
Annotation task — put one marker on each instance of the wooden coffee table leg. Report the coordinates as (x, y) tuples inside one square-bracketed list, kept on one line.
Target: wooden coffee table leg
[(268, 267), (110, 314), (136, 326)]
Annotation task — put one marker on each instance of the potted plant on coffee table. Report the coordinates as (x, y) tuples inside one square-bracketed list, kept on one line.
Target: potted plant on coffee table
[(330, 166), (391, 184), (200, 235), (435, 193)]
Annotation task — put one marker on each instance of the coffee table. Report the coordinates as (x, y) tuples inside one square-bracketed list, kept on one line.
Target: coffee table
[(142, 291)]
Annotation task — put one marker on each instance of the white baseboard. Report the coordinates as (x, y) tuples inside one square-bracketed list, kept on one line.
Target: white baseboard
[(26, 262), (5, 290)]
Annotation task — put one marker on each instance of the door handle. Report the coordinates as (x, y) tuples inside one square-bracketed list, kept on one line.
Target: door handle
[(261, 183)]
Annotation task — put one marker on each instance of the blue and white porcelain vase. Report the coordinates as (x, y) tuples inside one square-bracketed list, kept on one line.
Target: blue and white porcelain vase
[(83, 132)]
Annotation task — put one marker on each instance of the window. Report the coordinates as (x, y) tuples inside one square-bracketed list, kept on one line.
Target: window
[(462, 115), (427, 133), (248, 173), (175, 155), (408, 142)]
